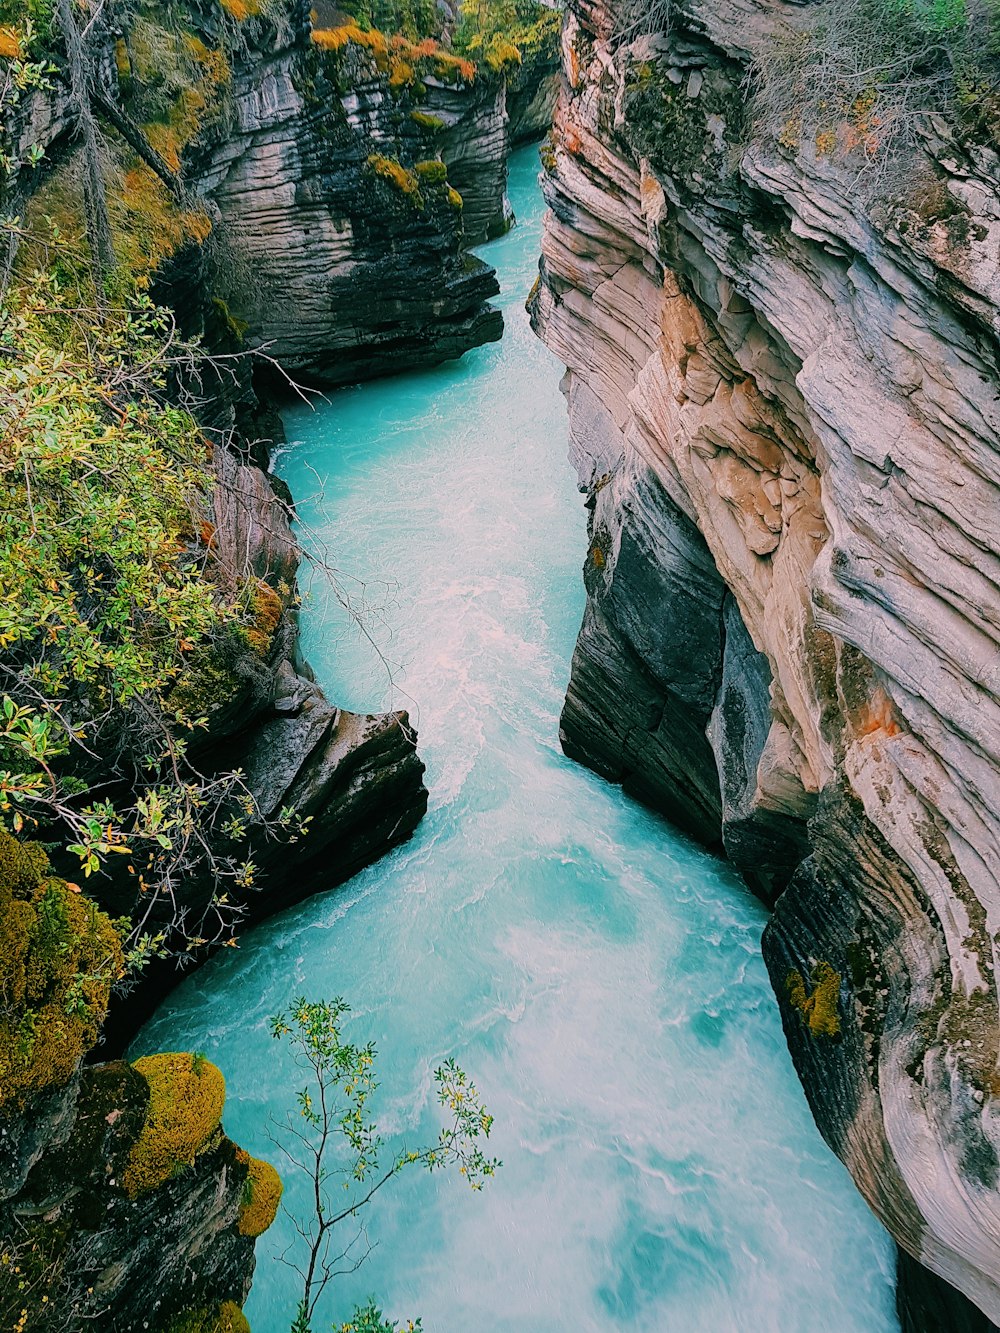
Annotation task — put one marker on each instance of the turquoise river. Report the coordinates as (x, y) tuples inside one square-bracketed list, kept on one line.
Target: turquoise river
[(598, 975)]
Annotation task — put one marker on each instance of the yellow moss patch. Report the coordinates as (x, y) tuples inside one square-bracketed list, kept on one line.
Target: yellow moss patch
[(818, 1008), (186, 1096), (401, 74), (148, 225), (265, 612), (10, 43), (450, 68), (393, 171), (502, 54), (454, 198), (426, 120), (122, 63), (241, 10), (433, 171), (212, 60), (224, 1318), (261, 1199), (335, 39), (59, 957)]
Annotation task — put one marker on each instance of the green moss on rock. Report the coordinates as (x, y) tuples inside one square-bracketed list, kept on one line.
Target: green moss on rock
[(186, 1097), (59, 957), (427, 120), (224, 1318), (432, 171), (262, 1194)]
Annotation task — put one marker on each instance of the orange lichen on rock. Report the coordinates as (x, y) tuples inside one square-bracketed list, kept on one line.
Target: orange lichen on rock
[(451, 68), (241, 10), (878, 716), (335, 39)]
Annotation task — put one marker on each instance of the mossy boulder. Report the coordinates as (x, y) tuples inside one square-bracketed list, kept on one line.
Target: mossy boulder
[(186, 1097), (261, 1196), (224, 1318), (59, 957)]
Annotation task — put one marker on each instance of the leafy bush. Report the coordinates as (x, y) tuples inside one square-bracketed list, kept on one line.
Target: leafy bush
[(370, 1319), (336, 1121), (116, 607), (503, 33)]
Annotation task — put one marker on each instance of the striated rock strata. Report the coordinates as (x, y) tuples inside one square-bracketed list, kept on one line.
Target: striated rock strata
[(784, 413), (337, 246)]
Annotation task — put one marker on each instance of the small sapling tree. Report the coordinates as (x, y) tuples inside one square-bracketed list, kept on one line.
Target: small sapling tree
[(335, 1136)]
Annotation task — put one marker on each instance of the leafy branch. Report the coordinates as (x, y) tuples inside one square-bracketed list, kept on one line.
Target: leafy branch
[(335, 1135)]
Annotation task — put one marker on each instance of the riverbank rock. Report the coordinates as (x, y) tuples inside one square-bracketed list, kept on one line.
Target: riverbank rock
[(784, 408), (82, 1249)]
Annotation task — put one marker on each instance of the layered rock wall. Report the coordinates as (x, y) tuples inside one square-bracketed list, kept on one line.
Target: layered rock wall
[(783, 409), (344, 256)]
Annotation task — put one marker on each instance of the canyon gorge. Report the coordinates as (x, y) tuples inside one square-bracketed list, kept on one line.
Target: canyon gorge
[(782, 393)]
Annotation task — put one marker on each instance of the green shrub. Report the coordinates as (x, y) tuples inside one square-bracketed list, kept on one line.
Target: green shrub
[(856, 78)]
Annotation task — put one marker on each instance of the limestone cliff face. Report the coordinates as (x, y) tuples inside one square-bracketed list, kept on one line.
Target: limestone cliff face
[(784, 411), (343, 260)]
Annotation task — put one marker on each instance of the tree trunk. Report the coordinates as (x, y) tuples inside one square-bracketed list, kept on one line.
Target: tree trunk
[(95, 201)]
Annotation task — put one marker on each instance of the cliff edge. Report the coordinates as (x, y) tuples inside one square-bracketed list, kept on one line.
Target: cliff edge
[(783, 395)]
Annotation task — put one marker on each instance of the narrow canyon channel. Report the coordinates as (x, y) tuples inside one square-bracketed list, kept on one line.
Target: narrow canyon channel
[(596, 974)]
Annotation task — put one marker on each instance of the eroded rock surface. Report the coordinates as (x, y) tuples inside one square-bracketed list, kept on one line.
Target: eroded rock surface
[(81, 1252), (783, 410)]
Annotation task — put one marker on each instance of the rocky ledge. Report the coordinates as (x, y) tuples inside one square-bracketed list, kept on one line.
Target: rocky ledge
[(356, 777), (784, 411), (350, 175)]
